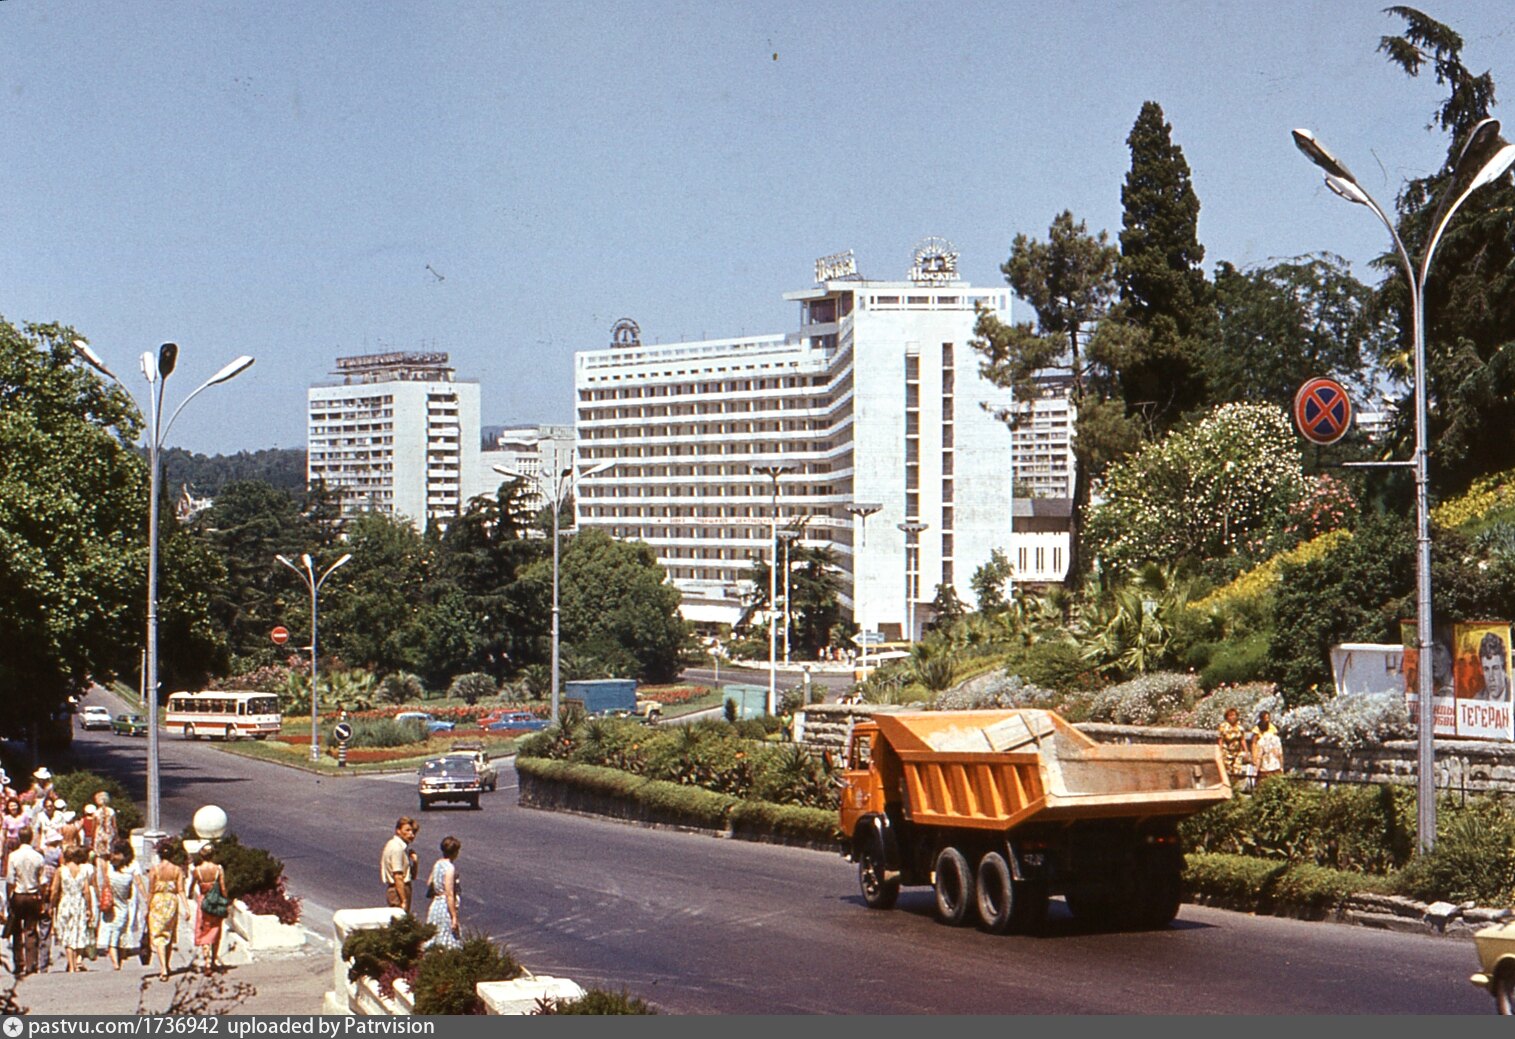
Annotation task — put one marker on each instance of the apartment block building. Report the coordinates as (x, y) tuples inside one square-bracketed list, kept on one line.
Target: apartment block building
[(533, 451), (875, 399), (398, 435), (1042, 440)]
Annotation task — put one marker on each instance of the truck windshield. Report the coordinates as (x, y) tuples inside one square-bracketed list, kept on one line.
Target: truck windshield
[(861, 751)]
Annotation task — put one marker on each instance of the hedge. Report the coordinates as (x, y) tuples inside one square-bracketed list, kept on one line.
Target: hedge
[(1274, 886), (689, 804)]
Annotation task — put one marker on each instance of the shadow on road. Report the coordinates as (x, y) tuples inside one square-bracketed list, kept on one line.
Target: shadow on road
[(920, 902)]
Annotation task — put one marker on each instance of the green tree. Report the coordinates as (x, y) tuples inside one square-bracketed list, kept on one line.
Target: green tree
[(989, 582), (483, 553), (1203, 492), (1069, 280), (946, 608), (1470, 298), (614, 594), (1289, 321), (1163, 291), (73, 510), (250, 524)]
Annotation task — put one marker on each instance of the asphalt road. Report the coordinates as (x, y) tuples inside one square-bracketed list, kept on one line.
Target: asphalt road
[(704, 925)]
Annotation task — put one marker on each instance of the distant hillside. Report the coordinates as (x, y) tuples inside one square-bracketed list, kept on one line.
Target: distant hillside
[(284, 467)]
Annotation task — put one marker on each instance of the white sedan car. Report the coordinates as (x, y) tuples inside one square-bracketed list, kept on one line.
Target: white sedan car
[(94, 718)]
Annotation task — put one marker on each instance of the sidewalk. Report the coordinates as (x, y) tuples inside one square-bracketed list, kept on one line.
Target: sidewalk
[(280, 981)]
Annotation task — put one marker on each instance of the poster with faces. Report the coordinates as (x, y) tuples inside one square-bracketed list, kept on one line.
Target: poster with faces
[(1471, 671)]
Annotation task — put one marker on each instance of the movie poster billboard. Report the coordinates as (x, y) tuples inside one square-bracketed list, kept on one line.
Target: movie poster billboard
[(1482, 676), (1471, 673), (1444, 704)]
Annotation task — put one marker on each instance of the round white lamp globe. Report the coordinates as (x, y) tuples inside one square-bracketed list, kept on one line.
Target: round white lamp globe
[(210, 822)]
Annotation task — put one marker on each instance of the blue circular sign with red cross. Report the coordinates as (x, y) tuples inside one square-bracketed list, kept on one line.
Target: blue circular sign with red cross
[(1323, 411)]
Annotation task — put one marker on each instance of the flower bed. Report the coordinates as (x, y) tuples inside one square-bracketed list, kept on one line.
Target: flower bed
[(672, 695)]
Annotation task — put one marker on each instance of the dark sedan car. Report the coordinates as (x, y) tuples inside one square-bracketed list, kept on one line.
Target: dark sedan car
[(129, 725), (451, 778)]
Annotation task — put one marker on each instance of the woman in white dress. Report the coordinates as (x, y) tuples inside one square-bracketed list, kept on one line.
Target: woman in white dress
[(73, 898), (119, 871)]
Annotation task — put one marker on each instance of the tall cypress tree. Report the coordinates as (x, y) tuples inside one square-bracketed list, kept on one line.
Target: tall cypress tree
[(1163, 289)]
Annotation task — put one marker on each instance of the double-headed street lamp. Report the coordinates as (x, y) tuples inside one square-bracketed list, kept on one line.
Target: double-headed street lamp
[(564, 479), (156, 368), (314, 583), (1340, 180), (773, 472)]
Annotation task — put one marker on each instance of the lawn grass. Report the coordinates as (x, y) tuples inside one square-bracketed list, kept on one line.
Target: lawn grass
[(297, 755)]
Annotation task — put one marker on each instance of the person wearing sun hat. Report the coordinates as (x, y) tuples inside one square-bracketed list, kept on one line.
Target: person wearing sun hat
[(42, 787)]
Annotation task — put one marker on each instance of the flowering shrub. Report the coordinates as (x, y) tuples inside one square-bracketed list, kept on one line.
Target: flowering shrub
[(1327, 504), (1350, 722), (1209, 712), (1203, 491), (995, 691), (668, 695), (1149, 700), (1486, 495), (1261, 580), (275, 901), (271, 678)]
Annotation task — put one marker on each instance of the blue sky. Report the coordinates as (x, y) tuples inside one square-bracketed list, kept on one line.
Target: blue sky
[(275, 177)]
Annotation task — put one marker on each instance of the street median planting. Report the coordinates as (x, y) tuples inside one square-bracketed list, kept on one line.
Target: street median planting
[(1254, 885), (597, 790)]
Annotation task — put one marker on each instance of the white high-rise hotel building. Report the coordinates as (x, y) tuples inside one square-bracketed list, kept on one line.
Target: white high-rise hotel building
[(876, 399)]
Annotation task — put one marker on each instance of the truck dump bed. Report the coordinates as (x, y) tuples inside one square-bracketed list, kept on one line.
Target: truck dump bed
[(998, 769)]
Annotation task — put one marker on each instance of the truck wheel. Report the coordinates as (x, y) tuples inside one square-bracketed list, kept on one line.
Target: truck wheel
[(879, 890), (1092, 910), (1504, 990), (1007, 905), (955, 896), (1159, 893)]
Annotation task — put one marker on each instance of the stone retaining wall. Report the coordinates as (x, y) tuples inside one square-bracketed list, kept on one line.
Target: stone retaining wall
[(1462, 766)]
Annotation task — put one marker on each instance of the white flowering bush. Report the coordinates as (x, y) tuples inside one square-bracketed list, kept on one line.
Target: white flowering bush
[(1206, 491), (1248, 698), (989, 692), (1350, 722), (1148, 700)]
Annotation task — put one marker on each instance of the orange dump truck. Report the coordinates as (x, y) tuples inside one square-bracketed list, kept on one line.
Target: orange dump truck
[(998, 810)]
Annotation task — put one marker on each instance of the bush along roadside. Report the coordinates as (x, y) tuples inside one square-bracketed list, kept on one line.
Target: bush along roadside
[(597, 790)]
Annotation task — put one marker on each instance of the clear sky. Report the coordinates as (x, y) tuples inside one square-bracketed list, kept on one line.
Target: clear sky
[(275, 177)]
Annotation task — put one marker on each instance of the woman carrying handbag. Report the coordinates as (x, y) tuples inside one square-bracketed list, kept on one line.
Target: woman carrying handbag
[(208, 881)]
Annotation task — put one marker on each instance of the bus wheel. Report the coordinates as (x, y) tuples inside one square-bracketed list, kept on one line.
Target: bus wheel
[(189, 732)]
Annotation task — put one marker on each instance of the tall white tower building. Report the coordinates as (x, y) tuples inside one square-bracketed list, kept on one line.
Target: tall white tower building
[(875, 399), (398, 435)]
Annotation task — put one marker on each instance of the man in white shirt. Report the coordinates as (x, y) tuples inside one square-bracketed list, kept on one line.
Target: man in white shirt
[(23, 883)]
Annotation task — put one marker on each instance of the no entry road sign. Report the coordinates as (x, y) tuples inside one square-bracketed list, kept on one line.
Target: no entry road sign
[(280, 635), (1322, 411)]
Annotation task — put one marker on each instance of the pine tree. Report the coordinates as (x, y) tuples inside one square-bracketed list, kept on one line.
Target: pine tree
[(1163, 290)]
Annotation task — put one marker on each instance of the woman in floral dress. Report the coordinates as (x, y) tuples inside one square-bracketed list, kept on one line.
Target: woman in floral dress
[(165, 893), (1233, 748), (73, 897)]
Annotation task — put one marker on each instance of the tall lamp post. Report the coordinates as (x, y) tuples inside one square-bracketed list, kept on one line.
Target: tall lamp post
[(788, 537), (912, 529), (773, 472), (564, 479), (156, 368), (860, 511), (1341, 181), (314, 583)]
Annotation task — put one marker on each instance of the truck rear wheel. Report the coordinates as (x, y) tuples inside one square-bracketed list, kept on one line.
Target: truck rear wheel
[(1006, 904), (955, 895), (1159, 892), (880, 891)]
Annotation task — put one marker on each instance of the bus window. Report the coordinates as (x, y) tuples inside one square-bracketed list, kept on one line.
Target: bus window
[(241, 706)]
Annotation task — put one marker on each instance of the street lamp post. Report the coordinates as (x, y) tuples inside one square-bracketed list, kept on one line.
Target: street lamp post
[(912, 529), (773, 472), (1341, 181), (314, 583), (564, 479), (788, 537), (860, 511), (156, 369)]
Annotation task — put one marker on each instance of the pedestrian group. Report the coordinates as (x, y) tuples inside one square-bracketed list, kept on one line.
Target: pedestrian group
[(75, 882), (1250, 757), (398, 870)]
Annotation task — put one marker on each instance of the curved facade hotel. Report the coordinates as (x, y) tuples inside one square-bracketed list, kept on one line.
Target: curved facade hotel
[(876, 399)]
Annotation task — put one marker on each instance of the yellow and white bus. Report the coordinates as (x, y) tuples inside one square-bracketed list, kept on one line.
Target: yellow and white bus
[(227, 714)]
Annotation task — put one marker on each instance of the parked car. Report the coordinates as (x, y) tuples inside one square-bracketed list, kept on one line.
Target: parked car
[(129, 725), (450, 778), (489, 772), (517, 721), (432, 723), (94, 718), (1496, 962)]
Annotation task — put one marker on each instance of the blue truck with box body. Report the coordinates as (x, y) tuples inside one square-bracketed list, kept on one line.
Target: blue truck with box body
[(603, 696)]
